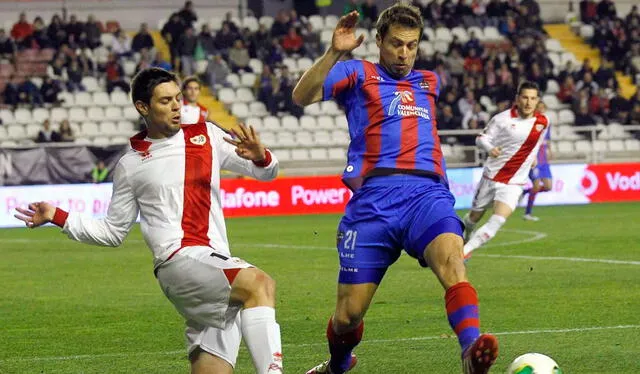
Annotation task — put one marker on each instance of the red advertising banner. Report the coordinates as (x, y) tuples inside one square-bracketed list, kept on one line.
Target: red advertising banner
[(288, 195), (612, 182)]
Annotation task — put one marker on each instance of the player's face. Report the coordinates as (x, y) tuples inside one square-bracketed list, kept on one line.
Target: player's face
[(191, 92), (527, 102), (540, 107), (398, 49), (163, 116)]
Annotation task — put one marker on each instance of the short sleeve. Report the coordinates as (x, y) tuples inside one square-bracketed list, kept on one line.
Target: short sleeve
[(341, 80)]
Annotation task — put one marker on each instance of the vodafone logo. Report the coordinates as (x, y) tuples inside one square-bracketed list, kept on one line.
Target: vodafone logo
[(589, 183), (619, 182)]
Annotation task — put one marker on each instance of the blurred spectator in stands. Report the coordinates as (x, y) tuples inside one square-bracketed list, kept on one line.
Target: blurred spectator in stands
[(171, 32), (239, 57), (217, 72), (443, 74), (620, 107), (56, 31), (352, 5), (11, 97), (506, 92), (40, 38), (599, 105), (369, 13), (266, 87), (287, 82), (457, 45), (292, 42), (115, 74), (93, 32), (635, 99), (580, 99), (455, 62), (55, 69), (99, 172), (143, 39), (473, 61), (121, 44), (280, 25), (479, 117), (295, 21), (261, 39), (76, 31), (465, 14), (504, 74), (588, 82), (451, 99), (74, 76), (7, 46), (187, 14), (473, 43), (508, 27), (207, 41), (145, 61), (50, 90), (28, 93), (21, 32), (567, 88), (64, 134), (160, 62), (583, 118), (466, 103), (186, 50), (46, 134), (606, 9), (634, 116), (496, 9), (588, 11), (538, 76), (447, 120), (228, 20), (604, 73), (312, 45), (224, 40), (86, 64)]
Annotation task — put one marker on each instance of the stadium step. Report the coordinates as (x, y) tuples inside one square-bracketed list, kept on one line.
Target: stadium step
[(220, 113), (575, 44)]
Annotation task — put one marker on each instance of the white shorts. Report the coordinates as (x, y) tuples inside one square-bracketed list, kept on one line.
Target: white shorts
[(197, 281), (489, 191)]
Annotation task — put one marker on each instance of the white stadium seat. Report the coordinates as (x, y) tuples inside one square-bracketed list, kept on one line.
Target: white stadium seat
[(300, 154), (566, 116), (7, 116), (308, 122), (290, 123), (491, 34), (77, 114), (240, 110), (632, 145), (22, 116), (89, 129), (227, 95), (120, 98), (429, 34), (113, 113), (95, 114), (271, 123), (286, 139), (304, 138), (58, 114), (82, 141), (313, 109), (255, 122), (330, 108), (341, 122), (91, 84), (565, 146), (317, 22), (83, 99), (108, 128), (461, 33), (443, 34), (337, 154), (130, 113), (3, 133), (322, 137), (255, 65), (126, 128), (318, 154), (326, 122), (32, 131), (553, 45), (233, 80), (284, 155), (16, 132), (583, 146), (39, 114), (257, 108), (119, 140), (247, 79), (251, 23), (101, 141), (244, 95), (267, 21), (330, 22)]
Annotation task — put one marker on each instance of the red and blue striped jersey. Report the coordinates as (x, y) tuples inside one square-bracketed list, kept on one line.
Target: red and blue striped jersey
[(542, 152), (392, 122)]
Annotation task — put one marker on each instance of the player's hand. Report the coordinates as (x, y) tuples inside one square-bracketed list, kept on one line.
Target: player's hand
[(247, 143), (534, 164), (495, 152), (344, 36), (37, 214)]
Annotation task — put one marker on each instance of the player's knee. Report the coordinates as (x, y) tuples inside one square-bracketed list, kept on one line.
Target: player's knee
[(344, 320), (254, 285)]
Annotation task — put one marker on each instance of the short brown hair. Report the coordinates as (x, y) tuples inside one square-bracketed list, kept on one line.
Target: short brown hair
[(399, 14), (190, 79)]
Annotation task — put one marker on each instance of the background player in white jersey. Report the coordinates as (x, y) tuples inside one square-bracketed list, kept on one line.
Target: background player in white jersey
[(171, 176), (192, 112), (511, 139)]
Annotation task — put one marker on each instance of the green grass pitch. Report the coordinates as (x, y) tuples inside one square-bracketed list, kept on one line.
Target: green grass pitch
[(545, 287)]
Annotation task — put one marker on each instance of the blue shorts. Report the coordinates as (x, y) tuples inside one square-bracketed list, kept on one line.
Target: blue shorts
[(542, 171), (389, 214)]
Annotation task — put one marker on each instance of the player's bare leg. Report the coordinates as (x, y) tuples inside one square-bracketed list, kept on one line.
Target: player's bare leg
[(486, 232), (205, 363), (444, 256), (470, 220), (255, 290), (346, 327), (539, 185)]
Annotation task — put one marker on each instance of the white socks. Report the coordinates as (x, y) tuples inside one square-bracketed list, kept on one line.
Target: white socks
[(261, 334), (484, 233)]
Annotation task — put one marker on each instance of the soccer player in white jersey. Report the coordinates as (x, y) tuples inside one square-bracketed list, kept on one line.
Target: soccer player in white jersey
[(171, 176), (511, 139), (192, 112)]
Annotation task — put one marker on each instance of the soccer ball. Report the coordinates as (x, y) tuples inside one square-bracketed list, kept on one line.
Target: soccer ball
[(534, 363)]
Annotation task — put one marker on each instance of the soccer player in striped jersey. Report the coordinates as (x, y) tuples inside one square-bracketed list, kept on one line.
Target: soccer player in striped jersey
[(171, 176), (511, 139), (395, 168), (191, 111), (540, 174)]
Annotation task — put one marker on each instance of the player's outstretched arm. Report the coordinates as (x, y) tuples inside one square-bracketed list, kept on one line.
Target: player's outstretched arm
[(245, 154), (309, 87)]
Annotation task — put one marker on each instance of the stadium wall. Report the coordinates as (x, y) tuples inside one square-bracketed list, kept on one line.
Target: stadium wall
[(573, 184)]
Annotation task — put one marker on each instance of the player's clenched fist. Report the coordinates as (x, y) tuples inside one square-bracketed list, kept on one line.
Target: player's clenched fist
[(495, 152), (344, 36)]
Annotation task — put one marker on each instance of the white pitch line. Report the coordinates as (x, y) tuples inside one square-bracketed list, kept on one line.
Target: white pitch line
[(364, 342), (571, 259)]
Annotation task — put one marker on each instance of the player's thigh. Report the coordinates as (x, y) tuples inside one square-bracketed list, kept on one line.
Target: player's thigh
[(547, 184), (445, 258), (197, 280), (506, 199), (252, 287), (483, 198), (213, 350)]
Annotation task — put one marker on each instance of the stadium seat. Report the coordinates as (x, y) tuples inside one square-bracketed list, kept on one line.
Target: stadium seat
[(227, 96), (95, 114), (6, 116), (271, 123), (566, 116), (101, 141), (119, 140), (583, 146), (82, 141), (77, 114), (304, 63), (101, 54), (268, 138), (330, 22), (308, 122), (553, 45), (240, 110), (251, 23), (58, 114), (129, 67), (600, 146), (290, 123), (617, 131), (566, 132), (130, 113), (300, 154), (83, 99), (233, 80), (313, 109), (113, 113), (337, 154), (16, 132), (326, 36), (126, 128), (108, 128), (39, 115), (443, 34), (247, 79), (89, 129), (304, 138), (256, 65), (22, 116), (32, 131), (8, 143), (339, 137), (479, 33), (552, 102), (587, 31), (37, 81), (322, 138), (568, 56), (317, 22), (267, 21), (325, 122), (255, 122), (106, 39), (3, 133), (429, 34), (244, 95), (318, 154), (491, 34), (565, 146), (552, 87), (216, 23), (330, 108), (461, 33), (101, 98), (341, 122), (201, 66), (91, 84), (360, 52), (632, 145), (283, 155), (447, 150), (441, 46), (291, 63), (120, 98), (426, 48), (258, 108), (555, 60), (286, 139)]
